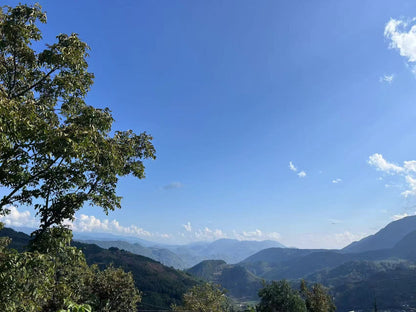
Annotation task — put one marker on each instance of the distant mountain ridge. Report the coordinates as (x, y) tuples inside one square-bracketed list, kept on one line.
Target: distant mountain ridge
[(186, 256), (277, 263), (386, 237), (229, 250)]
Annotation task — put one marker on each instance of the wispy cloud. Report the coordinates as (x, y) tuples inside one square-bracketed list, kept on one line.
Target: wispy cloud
[(173, 185), (407, 170), (336, 181), (257, 235), (387, 79), (402, 36), (292, 166)]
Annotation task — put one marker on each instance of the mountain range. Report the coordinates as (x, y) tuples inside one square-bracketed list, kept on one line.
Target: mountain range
[(186, 256), (380, 268)]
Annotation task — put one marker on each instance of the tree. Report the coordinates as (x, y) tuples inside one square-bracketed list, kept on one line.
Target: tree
[(55, 276), (280, 297), (25, 279), (317, 298), (113, 290), (204, 298), (56, 152)]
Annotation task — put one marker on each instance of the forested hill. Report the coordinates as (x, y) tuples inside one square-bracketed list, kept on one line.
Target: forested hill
[(239, 282), (161, 286), (162, 255)]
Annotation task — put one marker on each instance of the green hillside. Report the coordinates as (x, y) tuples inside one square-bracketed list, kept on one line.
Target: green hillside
[(162, 255), (237, 280), (161, 286), (357, 284)]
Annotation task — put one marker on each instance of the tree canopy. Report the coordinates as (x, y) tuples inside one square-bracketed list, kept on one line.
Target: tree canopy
[(206, 297), (278, 296), (57, 153)]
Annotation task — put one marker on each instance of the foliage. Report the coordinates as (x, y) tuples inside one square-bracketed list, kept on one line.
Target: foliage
[(73, 307), (26, 279), (358, 284), (204, 298), (56, 152), (161, 286), (317, 298), (280, 297), (239, 282), (55, 276), (71, 272), (113, 290)]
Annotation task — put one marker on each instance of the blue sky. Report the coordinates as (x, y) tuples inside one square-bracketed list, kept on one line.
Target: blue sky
[(236, 91)]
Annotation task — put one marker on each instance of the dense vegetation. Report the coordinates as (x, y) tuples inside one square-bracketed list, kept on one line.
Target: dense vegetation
[(160, 286), (53, 275), (57, 154), (280, 296), (241, 284)]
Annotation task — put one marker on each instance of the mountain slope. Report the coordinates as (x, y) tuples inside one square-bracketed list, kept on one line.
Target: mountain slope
[(164, 256), (356, 285), (386, 237), (237, 280), (276, 263), (161, 286)]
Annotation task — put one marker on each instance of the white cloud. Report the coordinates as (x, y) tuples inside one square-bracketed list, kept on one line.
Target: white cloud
[(336, 181), (85, 223), (402, 36), (188, 227), (381, 164), (411, 182), (17, 218), (387, 78), (409, 165), (257, 235), (206, 234), (292, 166), (209, 234), (407, 171)]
